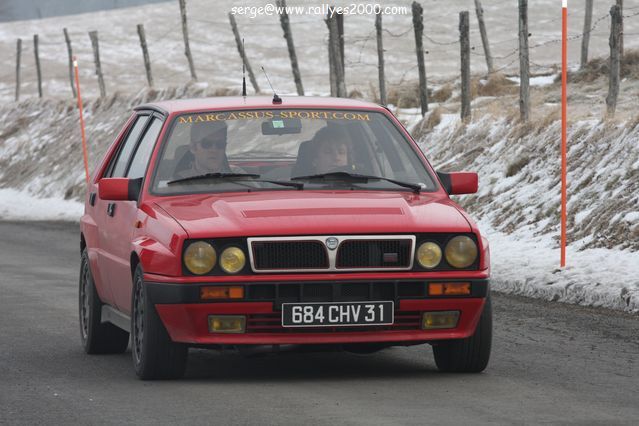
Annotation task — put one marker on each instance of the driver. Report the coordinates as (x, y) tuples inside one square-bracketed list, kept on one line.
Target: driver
[(208, 146), (331, 149)]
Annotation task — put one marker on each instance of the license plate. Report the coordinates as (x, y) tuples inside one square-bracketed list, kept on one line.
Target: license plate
[(337, 314)]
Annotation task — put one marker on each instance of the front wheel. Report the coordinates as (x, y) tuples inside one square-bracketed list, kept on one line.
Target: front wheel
[(97, 337), (155, 356), (469, 355)]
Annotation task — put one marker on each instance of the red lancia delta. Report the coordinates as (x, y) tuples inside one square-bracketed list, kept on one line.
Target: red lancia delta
[(251, 221)]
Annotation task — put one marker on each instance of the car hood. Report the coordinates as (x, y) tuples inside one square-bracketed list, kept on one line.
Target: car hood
[(313, 213)]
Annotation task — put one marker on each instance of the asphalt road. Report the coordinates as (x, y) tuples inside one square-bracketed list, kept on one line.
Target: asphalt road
[(551, 363)]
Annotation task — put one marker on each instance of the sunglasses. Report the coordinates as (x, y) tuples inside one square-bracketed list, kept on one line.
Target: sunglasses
[(208, 144)]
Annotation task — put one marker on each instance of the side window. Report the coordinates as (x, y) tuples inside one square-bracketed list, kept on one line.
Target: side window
[(119, 167), (145, 148)]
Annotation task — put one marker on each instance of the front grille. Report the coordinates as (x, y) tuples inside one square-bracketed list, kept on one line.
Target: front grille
[(333, 291), (350, 253), (374, 254), (274, 255), (272, 323)]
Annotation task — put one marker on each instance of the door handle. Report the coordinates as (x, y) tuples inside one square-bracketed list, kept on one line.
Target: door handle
[(92, 198), (111, 209)]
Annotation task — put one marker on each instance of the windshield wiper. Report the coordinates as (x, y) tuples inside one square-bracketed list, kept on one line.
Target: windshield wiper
[(357, 177), (217, 175), (231, 176)]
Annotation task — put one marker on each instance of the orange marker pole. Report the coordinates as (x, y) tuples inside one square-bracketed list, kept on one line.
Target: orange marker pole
[(564, 102), (84, 138)]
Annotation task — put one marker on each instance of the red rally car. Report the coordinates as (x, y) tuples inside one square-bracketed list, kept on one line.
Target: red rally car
[(248, 221)]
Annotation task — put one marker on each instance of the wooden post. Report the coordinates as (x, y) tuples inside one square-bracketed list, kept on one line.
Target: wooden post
[(484, 36), (585, 39), (18, 56), (380, 59), (331, 59), (464, 42), (524, 70), (288, 35), (37, 63), (334, 53), (67, 39), (418, 25), (185, 33), (340, 37), (240, 49), (620, 4), (96, 57), (615, 59), (145, 55)]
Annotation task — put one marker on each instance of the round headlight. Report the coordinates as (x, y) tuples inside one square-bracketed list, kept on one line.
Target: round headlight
[(232, 260), (429, 255), (200, 257), (461, 251)]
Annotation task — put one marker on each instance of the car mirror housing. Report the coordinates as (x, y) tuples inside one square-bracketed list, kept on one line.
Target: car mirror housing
[(456, 183), (119, 189)]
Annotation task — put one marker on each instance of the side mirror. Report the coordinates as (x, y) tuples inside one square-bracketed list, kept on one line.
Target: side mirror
[(456, 183), (119, 189)]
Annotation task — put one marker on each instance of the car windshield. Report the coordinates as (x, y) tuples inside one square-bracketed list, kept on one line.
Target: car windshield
[(254, 150)]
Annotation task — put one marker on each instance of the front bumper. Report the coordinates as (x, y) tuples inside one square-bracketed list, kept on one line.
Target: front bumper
[(186, 317)]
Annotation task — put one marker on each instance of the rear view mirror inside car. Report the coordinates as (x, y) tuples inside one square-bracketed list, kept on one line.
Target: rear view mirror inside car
[(282, 126)]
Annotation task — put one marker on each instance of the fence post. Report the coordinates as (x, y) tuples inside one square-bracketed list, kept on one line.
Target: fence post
[(96, 57), (340, 37), (620, 4), (337, 66), (288, 35), (145, 55), (615, 59), (418, 25), (524, 66), (484, 36), (585, 39), (18, 56), (185, 33), (464, 42), (380, 59), (37, 63), (67, 39), (240, 49)]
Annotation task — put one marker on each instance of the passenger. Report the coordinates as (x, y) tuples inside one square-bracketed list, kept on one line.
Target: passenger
[(331, 149)]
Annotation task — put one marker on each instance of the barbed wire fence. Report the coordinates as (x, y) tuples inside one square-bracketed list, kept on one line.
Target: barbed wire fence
[(361, 48)]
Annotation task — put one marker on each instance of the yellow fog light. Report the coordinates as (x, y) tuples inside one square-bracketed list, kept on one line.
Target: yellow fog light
[(232, 260), (227, 323), (461, 251), (200, 257), (443, 319), (429, 255)]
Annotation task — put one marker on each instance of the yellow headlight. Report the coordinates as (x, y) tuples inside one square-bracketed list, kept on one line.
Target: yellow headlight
[(200, 257), (429, 255), (461, 251), (232, 260)]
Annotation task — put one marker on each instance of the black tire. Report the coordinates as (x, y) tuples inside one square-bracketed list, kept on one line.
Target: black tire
[(469, 355), (155, 356), (96, 337)]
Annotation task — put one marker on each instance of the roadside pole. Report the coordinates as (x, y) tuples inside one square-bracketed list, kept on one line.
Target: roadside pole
[(564, 101), (84, 139)]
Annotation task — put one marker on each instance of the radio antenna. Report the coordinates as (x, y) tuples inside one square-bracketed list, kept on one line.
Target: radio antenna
[(276, 99), (243, 70)]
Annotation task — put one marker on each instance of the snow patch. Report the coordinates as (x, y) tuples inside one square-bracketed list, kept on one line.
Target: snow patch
[(20, 205)]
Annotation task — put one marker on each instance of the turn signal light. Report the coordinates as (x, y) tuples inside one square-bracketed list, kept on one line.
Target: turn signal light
[(222, 292), (227, 323), (449, 289), (439, 320)]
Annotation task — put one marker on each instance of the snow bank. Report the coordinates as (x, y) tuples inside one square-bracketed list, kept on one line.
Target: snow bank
[(20, 205)]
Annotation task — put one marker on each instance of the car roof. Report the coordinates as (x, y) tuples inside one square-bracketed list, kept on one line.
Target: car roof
[(241, 102)]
